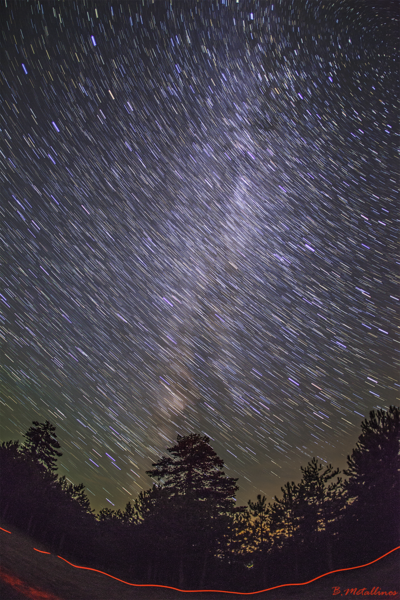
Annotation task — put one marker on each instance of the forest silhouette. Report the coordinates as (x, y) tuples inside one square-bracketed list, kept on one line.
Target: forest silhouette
[(187, 531)]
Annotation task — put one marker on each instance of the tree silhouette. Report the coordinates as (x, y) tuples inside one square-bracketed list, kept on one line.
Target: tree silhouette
[(259, 512), (259, 541), (188, 526), (75, 492), (26, 488), (32, 496), (194, 469), (285, 522), (373, 487), (10, 485), (193, 501), (322, 505), (129, 515), (42, 445)]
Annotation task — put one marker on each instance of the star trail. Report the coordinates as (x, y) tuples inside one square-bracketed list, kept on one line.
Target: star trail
[(199, 206)]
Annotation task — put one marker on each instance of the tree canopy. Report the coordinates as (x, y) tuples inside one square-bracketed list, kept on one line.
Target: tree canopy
[(196, 497), (41, 444), (195, 470), (373, 485), (187, 530)]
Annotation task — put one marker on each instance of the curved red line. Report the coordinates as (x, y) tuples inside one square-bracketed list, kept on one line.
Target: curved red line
[(5, 530), (168, 587), (215, 591)]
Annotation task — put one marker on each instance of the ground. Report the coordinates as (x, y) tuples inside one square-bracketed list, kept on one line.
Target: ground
[(27, 573)]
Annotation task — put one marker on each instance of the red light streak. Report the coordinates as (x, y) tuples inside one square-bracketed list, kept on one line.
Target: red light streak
[(3, 575), (5, 530), (23, 588), (168, 587)]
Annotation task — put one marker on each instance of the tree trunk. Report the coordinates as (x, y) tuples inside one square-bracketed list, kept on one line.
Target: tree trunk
[(264, 573), (296, 562), (329, 552), (149, 571), (204, 570), (156, 564), (181, 573)]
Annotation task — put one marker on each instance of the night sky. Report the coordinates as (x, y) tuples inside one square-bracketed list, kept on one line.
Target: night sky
[(198, 232)]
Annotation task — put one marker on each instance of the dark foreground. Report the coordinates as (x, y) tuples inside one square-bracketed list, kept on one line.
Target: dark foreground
[(26, 573)]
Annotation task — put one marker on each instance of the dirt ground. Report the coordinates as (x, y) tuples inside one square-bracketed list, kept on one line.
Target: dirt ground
[(27, 573)]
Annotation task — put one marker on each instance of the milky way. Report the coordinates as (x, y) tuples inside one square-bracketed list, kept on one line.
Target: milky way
[(198, 229)]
